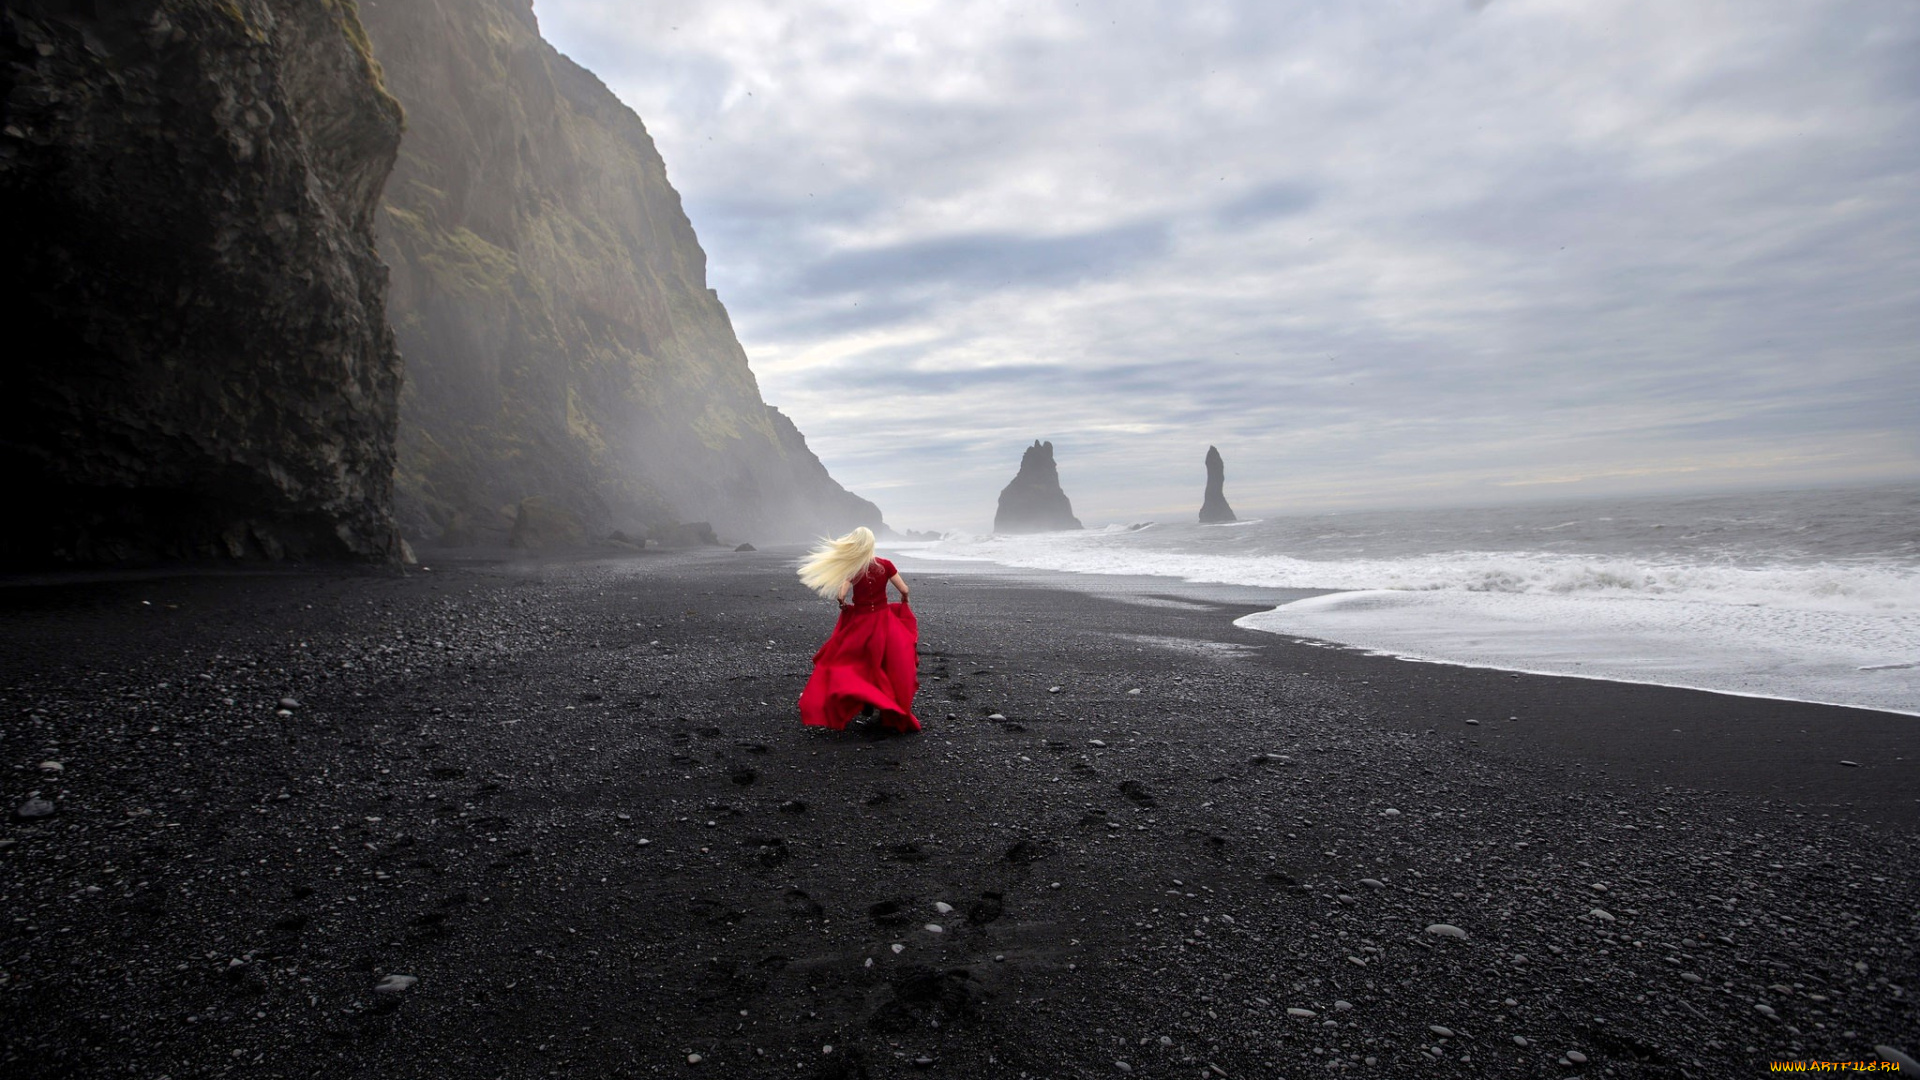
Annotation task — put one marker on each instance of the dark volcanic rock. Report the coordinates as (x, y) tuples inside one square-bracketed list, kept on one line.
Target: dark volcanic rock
[(1033, 502), (685, 535), (1214, 507), (202, 361), (551, 299)]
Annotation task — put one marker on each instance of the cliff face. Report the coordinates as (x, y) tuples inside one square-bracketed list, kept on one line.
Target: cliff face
[(1213, 506), (565, 357), (1033, 501), (201, 363)]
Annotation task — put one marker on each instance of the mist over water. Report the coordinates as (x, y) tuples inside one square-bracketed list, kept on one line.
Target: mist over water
[(1809, 595)]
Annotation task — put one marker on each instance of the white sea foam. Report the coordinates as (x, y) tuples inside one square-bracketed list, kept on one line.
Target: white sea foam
[(1754, 617)]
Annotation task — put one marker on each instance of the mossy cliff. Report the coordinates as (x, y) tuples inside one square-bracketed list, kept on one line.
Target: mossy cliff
[(200, 362), (566, 362)]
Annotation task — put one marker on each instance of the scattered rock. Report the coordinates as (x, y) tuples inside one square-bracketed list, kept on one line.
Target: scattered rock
[(34, 809), (1447, 930), (1908, 1066), (395, 984), (746, 547), (1304, 1014)]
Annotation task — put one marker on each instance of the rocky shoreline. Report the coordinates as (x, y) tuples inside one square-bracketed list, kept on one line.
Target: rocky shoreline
[(559, 817)]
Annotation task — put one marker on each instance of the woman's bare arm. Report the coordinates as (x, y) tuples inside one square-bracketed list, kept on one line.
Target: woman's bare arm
[(844, 586), (899, 583)]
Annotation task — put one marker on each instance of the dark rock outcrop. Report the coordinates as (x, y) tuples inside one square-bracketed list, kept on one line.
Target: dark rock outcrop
[(1033, 502), (200, 363), (1214, 508), (683, 535), (551, 299)]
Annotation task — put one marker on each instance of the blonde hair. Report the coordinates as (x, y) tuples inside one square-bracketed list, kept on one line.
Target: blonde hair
[(833, 562)]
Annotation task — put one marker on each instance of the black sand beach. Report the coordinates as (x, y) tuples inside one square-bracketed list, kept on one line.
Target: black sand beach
[(572, 799)]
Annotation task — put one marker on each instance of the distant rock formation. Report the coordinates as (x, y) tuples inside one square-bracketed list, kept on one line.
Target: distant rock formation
[(200, 362), (1033, 502), (551, 300), (1214, 508)]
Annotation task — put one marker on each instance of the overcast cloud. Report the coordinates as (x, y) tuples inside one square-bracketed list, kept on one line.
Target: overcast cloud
[(1385, 253)]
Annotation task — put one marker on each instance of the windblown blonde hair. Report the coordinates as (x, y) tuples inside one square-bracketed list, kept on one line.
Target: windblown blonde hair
[(834, 561)]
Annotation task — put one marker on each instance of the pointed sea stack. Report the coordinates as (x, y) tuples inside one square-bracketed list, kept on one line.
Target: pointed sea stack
[(1033, 502), (1214, 508)]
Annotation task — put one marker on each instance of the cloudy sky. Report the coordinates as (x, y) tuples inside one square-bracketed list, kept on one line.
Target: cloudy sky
[(1390, 253)]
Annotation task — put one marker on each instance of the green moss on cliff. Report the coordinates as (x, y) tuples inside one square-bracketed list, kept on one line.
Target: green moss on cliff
[(458, 261)]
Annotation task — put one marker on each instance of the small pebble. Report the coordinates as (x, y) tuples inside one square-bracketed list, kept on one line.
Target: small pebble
[(1302, 1013), (1521, 1040), (395, 984), (1389, 812), (289, 703), (1691, 977), (898, 948), (1850, 764), (1373, 883), (1135, 690), (1053, 689), (943, 907), (1898, 1057), (1442, 1032), (1766, 1011), (1602, 914), (934, 928), (52, 766), (997, 716), (1123, 1066), (1097, 742), (1446, 930), (1342, 1006), (33, 808), (693, 1059), (1576, 1057), (1473, 723), (923, 1062)]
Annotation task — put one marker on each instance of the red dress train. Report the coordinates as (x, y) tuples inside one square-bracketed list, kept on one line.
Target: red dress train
[(869, 660)]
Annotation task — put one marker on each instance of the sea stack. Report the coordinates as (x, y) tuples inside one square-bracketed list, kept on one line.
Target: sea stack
[(1033, 502), (1214, 508)]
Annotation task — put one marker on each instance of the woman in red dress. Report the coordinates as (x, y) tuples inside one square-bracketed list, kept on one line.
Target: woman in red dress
[(869, 665)]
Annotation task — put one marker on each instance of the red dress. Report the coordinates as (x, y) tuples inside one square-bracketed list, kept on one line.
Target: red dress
[(869, 660)]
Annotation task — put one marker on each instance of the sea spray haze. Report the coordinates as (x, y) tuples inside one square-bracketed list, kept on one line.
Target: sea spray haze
[(1811, 595), (569, 372)]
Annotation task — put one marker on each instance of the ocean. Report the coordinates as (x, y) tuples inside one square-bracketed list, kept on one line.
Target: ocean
[(1805, 595)]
